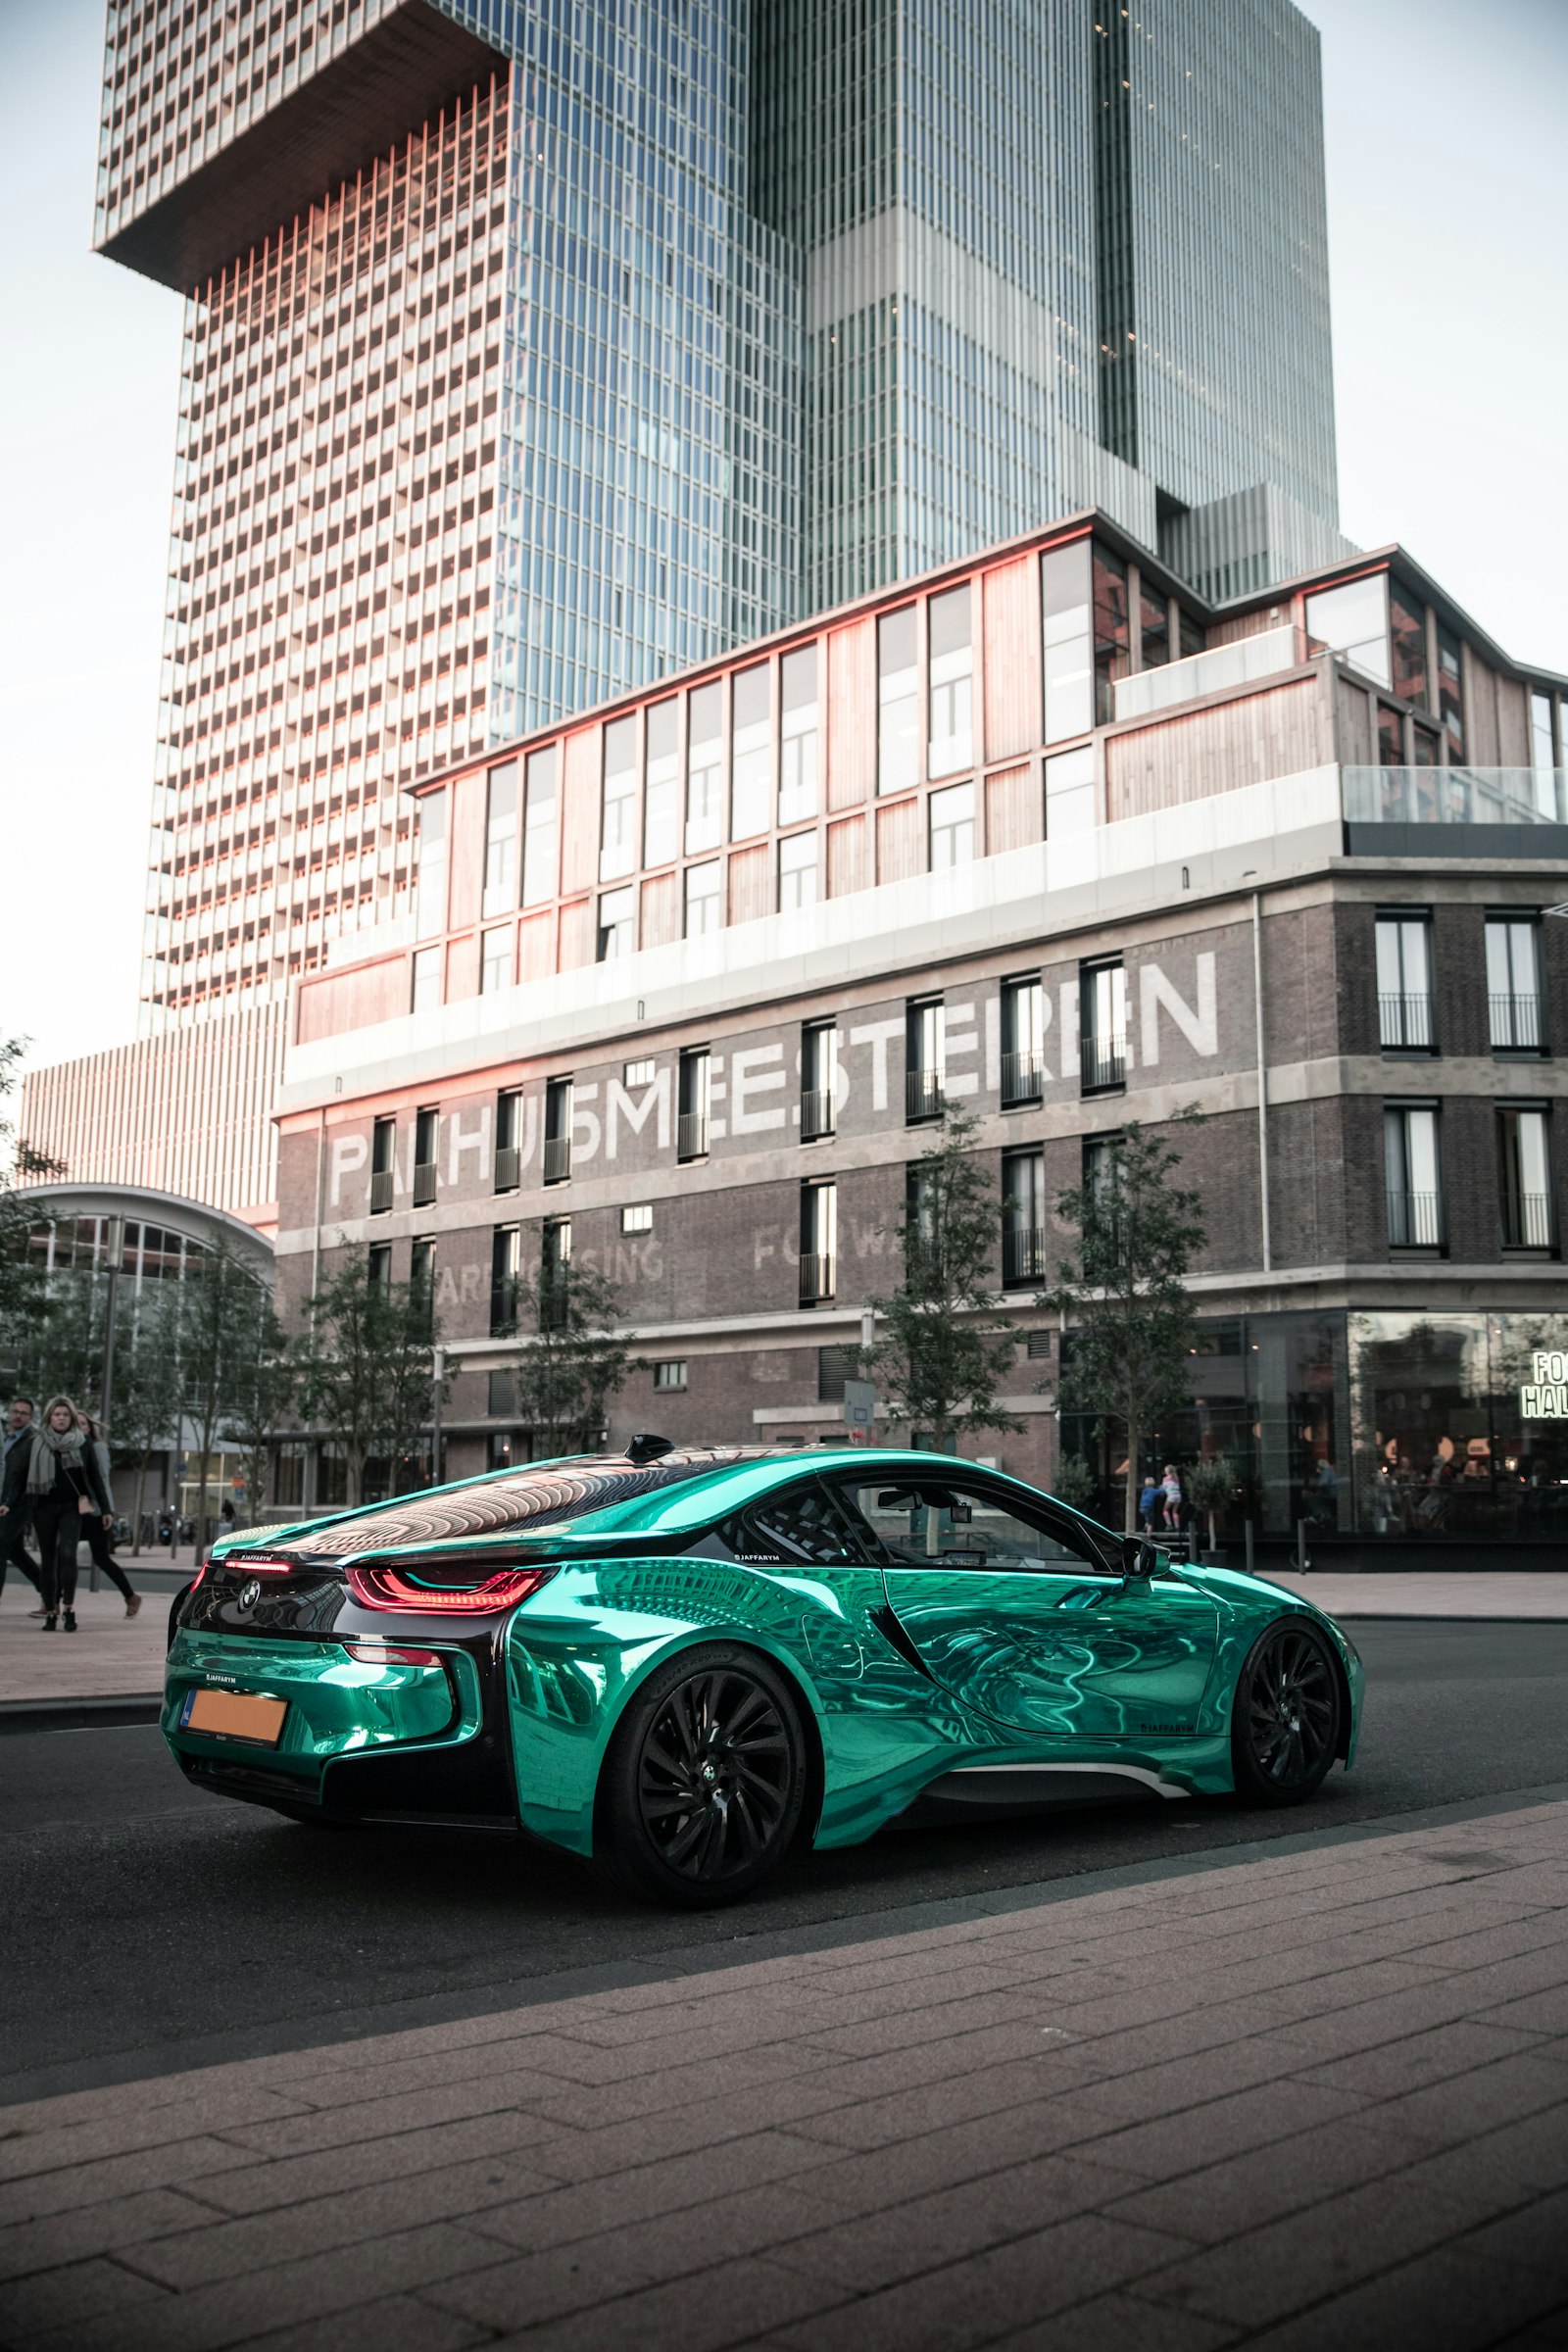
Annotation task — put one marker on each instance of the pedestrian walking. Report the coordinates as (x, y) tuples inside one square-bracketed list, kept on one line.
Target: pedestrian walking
[(1171, 1490), (57, 1475), (14, 1530), (1149, 1500), (99, 1537)]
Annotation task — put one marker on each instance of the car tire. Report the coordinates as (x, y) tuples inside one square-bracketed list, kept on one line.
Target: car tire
[(702, 1789), (1287, 1715)]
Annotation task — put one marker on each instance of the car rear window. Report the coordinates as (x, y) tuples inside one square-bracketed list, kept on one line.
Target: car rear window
[(544, 1495)]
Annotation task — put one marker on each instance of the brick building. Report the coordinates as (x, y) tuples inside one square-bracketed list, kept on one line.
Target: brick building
[(688, 979)]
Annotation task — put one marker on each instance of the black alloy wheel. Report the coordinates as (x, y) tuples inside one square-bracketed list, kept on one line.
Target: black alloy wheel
[(1285, 1724), (703, 1785)]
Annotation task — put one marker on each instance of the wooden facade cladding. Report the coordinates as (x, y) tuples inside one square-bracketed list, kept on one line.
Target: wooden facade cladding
[(1246, 739), (1015, 810), (1012, 651), (466, 849), (579, 812), (851, 714)]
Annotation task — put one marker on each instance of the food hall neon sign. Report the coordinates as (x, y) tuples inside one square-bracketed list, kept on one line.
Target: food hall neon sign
[(1544, 1396)]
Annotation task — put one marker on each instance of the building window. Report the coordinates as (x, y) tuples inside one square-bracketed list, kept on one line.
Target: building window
[(381, 1265), (495, 960), (897, 701), (661, 785), (797, 872), (557, 1130), (1354, 621), (501, 1396), (424, 980), (924, 1059), (1413, 1172), (952, 818), (705, 769), (501, 840), (1069, 666), (1405, 984), (509, 1140), (1103, 1027), (427, 1142), (1113, 631), (670, 1373), (819, 1052), (951, 654), (920, 1238), (639, 1073), (834, 1366), (555, 1271), (798, 749), (750, 788), (540, 831), (1070, 792), (1513, 985), (508, 1448), (703, 887), (617, 841), (1023, 1218), (1425, 752), (432, 896), (618, 923), (505, 1264), (637, 1217), (1023, 1039), (1450, 694), (1153, 627), (421, 1268), (819, 1230), (1391, 737), (1524, 1179), (1098, 1163), (691, 1120), (383, 1164), (1407, 643)]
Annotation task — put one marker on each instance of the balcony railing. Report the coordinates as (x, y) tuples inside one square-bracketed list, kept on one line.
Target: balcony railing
[(423, 1183), (691, 1135), (1222, 665), (557, 1159), (1021, 1077), (509, 1168), (817, 1117), (1102, 1061), (1023, 1254), (1415, 1220), (380, 1191), (1454, 796), (1404, 1022), (922, 1093), (1527, 1220), (1515, 1023), (816, 1278)]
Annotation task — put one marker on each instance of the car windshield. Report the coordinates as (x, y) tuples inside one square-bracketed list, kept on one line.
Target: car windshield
[(544, 1495)]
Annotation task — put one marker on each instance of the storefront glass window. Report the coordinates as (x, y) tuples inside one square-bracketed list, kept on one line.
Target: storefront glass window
[(1454, 1435)]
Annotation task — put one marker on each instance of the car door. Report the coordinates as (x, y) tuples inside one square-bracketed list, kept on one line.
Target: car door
[(1013, 1608)]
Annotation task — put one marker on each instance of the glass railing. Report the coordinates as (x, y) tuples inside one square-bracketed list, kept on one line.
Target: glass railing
[(380, 1191), (509, 1168), (817, 1114), (1454, 796), (557, 1159), (1235, 665), (423, 1183), (691, 1135)]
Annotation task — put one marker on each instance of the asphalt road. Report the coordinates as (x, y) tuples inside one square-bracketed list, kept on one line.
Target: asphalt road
[(145, 1926)]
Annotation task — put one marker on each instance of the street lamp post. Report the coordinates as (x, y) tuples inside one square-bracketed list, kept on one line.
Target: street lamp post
[(438, 1369), (106, 1391)]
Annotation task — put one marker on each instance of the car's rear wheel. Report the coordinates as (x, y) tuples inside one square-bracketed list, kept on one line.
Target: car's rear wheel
[(1285, 1722), (703, 1785)]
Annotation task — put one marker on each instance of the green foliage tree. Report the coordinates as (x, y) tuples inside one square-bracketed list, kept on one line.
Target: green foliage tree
[(1124, 1291), (1074, 1481), (1210, 1486), (265, 1390), (24, 1297), (944, 1348), (148, 1389), (368, 1373), (223, 1316), (575, 1362)]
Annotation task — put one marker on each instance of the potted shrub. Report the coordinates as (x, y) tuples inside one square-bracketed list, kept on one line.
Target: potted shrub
[(1210, 1487)]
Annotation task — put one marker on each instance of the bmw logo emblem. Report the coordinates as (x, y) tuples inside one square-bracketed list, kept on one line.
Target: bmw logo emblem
[(250, 1594)]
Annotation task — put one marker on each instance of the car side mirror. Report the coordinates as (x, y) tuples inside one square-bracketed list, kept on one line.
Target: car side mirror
[(1140, 1557)]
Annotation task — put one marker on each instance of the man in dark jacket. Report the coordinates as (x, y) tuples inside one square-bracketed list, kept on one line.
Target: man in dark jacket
[(13, 1527), (59, 1476)]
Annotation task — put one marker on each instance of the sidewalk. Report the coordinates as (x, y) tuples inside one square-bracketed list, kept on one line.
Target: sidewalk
[(1308, 2098), (1496, 1593)]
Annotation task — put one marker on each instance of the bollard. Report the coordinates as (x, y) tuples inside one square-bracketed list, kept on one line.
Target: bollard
[(1249, 1524), (1302, 1563)]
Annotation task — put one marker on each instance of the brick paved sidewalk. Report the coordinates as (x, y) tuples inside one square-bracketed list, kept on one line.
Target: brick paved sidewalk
[(1308, 2098)]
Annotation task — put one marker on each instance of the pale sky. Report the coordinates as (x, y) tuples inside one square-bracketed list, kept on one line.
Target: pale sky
[(1448, 172)]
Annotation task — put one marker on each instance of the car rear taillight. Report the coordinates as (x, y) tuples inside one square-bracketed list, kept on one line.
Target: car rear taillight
[(391, 1588), (391, 1653)]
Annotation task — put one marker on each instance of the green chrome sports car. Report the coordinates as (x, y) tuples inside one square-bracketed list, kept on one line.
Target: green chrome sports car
[(683, 1663)]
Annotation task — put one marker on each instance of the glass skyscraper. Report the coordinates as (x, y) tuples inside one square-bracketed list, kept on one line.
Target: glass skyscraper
[(535, 348)]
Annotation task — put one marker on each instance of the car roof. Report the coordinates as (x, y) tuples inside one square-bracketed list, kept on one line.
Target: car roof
[(582, 1497)]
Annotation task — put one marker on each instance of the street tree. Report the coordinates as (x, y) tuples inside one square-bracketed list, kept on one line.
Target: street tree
[(368, 1370), (946, 1348), (1124, 1292), (148, 1389), (264, 1392), (23, 1291), (573, 1361), (222, 1310)]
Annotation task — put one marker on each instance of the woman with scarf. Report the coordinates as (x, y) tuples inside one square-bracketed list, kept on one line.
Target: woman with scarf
[(58, 1477), (94, 1533)]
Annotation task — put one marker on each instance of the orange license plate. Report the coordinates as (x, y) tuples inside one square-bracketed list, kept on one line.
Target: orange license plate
[(234, 1715)]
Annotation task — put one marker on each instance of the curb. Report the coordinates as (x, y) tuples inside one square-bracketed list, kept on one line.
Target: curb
[(79, 1714)]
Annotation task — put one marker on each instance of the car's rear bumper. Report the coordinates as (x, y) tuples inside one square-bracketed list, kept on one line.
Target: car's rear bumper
[(365, 1741)]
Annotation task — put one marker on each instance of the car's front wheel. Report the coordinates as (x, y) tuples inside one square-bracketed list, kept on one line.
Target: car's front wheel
[(1285, 1722), (703, 1781)]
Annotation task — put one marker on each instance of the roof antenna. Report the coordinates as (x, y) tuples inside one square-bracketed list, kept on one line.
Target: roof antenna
[(647, 1449)]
